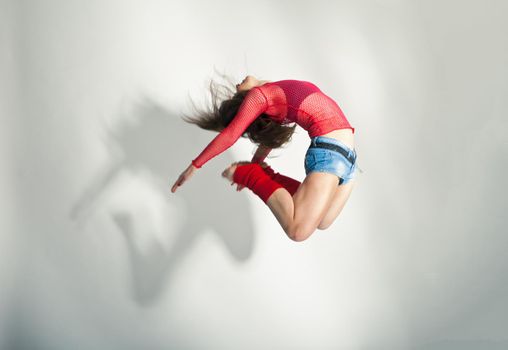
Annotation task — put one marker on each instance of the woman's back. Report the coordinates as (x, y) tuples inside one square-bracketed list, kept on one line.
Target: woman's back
[(305, 104)]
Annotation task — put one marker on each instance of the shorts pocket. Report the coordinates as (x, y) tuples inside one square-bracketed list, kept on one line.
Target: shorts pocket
[(309, 161), (323, 157)]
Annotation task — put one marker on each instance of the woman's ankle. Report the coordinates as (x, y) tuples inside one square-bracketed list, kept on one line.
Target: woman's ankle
[(290, 184), (256, 179)]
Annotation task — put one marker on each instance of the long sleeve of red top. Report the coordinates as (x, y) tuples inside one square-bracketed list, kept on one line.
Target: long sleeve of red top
[(253, 105)]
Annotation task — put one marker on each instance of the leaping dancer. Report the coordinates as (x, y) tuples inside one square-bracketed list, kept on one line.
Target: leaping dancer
[(262, 110)]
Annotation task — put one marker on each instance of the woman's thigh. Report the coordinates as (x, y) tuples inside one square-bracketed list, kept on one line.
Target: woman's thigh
[(312, 199), (338, 202)]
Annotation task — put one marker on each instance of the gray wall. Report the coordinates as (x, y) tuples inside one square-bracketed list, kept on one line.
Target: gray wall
[(96, 253)]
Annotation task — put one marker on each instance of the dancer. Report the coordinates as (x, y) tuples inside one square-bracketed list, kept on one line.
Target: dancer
[(262, 110)]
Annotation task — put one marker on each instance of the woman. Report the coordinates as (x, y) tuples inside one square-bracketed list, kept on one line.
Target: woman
[(261, 110)]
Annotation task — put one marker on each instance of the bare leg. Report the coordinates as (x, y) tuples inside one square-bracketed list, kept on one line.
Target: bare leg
[(340, 198), (301, 214)]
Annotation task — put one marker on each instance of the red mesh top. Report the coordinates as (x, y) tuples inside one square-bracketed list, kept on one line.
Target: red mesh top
[(286, 101)]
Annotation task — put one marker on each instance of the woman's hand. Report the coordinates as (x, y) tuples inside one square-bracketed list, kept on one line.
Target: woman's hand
[(187, 173)]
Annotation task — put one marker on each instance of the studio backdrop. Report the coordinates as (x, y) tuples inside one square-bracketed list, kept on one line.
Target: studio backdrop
[(97, 253)]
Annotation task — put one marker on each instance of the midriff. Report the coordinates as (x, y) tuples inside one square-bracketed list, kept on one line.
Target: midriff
[(343, 135)]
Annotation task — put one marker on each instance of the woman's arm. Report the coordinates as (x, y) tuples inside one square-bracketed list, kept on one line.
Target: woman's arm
[(254, 105), (261, 154)]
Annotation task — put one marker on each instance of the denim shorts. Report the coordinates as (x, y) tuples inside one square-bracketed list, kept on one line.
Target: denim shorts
[(330, 161)]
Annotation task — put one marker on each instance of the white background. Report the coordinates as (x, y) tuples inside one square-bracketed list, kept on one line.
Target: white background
[(97, 253)]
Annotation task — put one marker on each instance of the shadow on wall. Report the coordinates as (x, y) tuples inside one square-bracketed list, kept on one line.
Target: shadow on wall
[(162, 144)]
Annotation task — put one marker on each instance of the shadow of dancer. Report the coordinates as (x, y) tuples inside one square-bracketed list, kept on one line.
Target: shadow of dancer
[(158, 142)]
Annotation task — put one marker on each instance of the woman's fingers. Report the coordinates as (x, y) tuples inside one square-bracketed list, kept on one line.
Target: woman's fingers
[(178, 183), (175, 186), (187, 173)]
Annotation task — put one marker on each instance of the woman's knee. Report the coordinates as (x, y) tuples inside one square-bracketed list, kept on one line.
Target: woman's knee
[(300, 232), (323, 225)]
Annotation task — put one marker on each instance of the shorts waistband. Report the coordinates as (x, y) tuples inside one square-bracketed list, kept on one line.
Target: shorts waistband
[(334, 145)]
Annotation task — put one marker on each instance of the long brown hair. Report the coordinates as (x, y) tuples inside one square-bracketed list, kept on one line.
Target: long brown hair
[(225, 104)]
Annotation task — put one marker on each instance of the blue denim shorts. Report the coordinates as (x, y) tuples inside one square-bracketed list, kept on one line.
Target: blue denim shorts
[(330, 161)]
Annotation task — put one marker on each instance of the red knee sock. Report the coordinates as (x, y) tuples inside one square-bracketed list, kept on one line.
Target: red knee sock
[(252, 176), (290, 184)]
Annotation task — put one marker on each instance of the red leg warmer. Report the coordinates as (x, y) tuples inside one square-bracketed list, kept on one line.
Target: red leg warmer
[(290, 184), (252, 176)]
